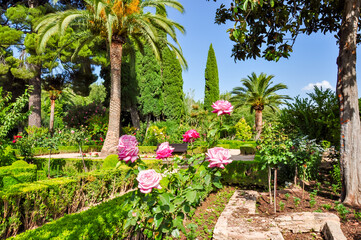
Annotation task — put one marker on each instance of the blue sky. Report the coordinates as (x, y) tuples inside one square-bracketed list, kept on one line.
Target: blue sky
[(313, 59)]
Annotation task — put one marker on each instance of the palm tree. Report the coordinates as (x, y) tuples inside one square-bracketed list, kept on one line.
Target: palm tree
[(258, 93), (122, 23)]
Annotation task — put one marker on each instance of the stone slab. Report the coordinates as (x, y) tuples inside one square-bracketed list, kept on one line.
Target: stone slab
[(332, 231)]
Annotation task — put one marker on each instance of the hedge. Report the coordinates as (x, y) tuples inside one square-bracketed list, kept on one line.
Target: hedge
[(63, 149), (19, 172), (101, 222), (246, 173), (236, 144), (67, 166), (24, 206)]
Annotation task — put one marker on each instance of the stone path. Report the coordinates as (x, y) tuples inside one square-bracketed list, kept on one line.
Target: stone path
[(240, 221)]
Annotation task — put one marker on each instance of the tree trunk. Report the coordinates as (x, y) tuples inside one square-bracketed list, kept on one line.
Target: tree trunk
[(135, 116), (347, 93), (269, 184), (52, 111), (35, 99), (112, 137), (258, 123), (275, 191)]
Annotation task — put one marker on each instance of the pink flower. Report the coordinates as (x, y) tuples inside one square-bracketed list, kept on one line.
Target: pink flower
[(72, 131), (128, 148), (164, 151), (218, 157), (190, 135), (222, 107), (148, 179)]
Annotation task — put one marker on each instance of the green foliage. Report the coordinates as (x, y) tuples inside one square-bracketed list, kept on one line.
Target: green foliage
[(243, 130), (19, 172), (211, 93), (342, 210), (78, 116), (316, 117), (7, 155), (172, 85), (296, 201), (275, 147), (154, 136), (147, 149), (282, 205), (307, 157), (245, 173), (150, 84), (11, 113), (110, 162), (103, 221), (336, 177), (51, 199)]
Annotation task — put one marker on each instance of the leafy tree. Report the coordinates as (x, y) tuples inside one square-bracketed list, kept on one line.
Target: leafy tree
[(11, 113), (277, 24), (211, 93), (315, 117), (120, 22), (258, 93), (172, 85)]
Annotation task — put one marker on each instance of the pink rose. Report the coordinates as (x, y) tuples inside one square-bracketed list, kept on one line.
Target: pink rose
[(222, 107), (128, 148), (218, 157), (164, 151), (190, 135), (72, 131), (148, 179)]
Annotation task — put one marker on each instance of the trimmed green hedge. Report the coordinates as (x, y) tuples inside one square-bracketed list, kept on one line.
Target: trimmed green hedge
[(101, 222), (112, 160), (24, 206), (19, 172), (246, 173), (63, 149), (147, 149), (236, 144), (67, 166)]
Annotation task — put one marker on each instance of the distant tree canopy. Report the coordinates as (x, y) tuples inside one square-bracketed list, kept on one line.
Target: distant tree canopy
[(315, 116), (211, 92)]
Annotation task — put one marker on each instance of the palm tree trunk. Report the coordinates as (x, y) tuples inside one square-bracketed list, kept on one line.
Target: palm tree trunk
[(35, 99), (112, 137), (52, 113), (258, 123), (350, 145)]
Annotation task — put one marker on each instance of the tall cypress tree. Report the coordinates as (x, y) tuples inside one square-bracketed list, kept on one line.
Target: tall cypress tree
[(211, 93), (172, 85)]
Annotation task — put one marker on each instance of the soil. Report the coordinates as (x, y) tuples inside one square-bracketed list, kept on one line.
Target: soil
[(206, 215)]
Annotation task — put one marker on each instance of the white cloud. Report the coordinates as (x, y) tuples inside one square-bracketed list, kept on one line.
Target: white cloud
[(324, 84)]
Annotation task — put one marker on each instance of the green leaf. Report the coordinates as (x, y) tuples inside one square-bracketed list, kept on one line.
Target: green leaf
[(158, 219), (191, 196), (217, 184), (218, 174), (165, 198)]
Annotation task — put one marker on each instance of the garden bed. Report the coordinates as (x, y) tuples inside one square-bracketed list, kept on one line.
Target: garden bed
[(350, 222)]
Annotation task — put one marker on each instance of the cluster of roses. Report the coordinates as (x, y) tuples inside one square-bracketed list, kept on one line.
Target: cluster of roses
[(148, 179), (16, 138)]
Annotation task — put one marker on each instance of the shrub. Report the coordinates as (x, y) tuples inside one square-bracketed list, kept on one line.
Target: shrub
[(154, 136), (243, 130), (19, 172), (7, 155), (101, 222), (245, 173), (147, 149), (27, 205), (79, 115)]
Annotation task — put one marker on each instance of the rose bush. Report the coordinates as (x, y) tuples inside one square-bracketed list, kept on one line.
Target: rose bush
[(222, 107), (148, 179), (218, 157), (164, 151), (190, 136), (128, 148)]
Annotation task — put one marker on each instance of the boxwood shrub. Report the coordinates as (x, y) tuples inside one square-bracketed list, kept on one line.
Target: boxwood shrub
[(246, 173), (19, 172), (24, 206)]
